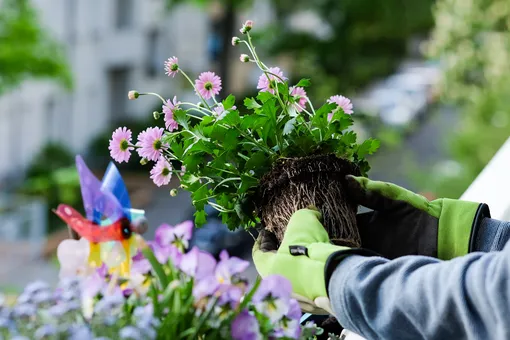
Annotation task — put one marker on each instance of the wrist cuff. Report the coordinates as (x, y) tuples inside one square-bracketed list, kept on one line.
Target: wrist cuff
[(335, 258)]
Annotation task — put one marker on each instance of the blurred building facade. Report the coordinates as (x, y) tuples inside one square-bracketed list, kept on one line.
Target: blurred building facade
[(112, 46)]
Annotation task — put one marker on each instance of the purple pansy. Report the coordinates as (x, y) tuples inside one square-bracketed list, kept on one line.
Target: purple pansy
[(197, 263), (178, 235), (245, 327), (273, 297), (228, 267)]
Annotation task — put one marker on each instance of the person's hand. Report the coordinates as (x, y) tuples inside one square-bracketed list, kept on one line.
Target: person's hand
[(301, 258), (405, 223)]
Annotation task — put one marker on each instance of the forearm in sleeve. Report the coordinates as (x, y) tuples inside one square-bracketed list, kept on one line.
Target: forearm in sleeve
[(416, 297)]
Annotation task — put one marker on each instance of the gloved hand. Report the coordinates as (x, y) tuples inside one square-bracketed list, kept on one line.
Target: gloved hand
[(405, 223), (305, 257)]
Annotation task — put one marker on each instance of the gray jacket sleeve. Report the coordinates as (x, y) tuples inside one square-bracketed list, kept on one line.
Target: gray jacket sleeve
[(492, 235), (416, 297)]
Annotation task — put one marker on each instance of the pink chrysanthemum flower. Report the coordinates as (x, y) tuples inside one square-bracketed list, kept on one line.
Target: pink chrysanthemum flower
[(172, 66), (265, 84), (208, 84), (161, 173), (168, 110), (299, 95), (150, 143), (342, 102), (120, 148)]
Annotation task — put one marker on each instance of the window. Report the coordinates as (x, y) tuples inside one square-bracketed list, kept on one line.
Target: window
[(214, 42), (155, 55), (124, 13), (118, 79)]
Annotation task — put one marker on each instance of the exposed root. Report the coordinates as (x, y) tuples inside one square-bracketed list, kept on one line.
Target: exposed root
[(295, 184)]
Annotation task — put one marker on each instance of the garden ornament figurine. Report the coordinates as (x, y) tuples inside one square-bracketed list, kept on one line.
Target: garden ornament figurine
[(110, 219)]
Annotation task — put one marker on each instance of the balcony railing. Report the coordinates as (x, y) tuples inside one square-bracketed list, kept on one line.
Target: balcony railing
[(492, 186)]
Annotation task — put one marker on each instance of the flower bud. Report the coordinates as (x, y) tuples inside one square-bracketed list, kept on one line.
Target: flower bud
[(182, 186), (132, 95), (173, 192), (143, 161), (244, 58), (156, 115), (235, 41), (246, 27)]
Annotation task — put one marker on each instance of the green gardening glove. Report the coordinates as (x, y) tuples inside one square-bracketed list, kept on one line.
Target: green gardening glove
[(405, 223), (305, 257)]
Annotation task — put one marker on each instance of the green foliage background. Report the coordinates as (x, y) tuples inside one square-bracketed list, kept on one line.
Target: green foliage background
[(27, 50), (472, 37)]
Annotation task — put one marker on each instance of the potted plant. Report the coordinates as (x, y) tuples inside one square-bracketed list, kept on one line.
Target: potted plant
[(259, 163)]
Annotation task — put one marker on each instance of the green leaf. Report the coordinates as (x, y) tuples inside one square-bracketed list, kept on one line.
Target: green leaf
[(247, 183), (206, 120), (156, 266), (283, 90), (349, 138), (320, 119), (230, 142), (192, 161), (289, 126), (200, 218), (368, 147), (181, 118), (249, 122), (265, 96), (199, 197), (251, 103), (256, 161), (304, 83), (232, 118), (229, 102), (176, 149)]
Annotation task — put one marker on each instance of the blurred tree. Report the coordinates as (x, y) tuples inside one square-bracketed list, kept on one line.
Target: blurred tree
[(26, 50), (354, 42), (472, 37), (366, 39)]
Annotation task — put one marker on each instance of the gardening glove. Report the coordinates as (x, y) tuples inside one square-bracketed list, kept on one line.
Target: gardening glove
[(305, 257), (405, 223)]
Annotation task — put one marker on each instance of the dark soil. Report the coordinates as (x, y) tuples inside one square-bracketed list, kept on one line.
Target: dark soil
[(297, 183)]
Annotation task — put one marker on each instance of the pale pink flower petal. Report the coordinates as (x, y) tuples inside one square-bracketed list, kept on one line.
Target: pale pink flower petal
[(120, 149), (342, 102), (161, 173), (168, 110), (172, 66), (299, 95), (208, 85), (264, 84), (73, 258), (150, 143)]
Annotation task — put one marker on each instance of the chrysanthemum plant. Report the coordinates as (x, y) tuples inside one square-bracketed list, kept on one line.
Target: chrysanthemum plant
[(225, 151), (171, 293)]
